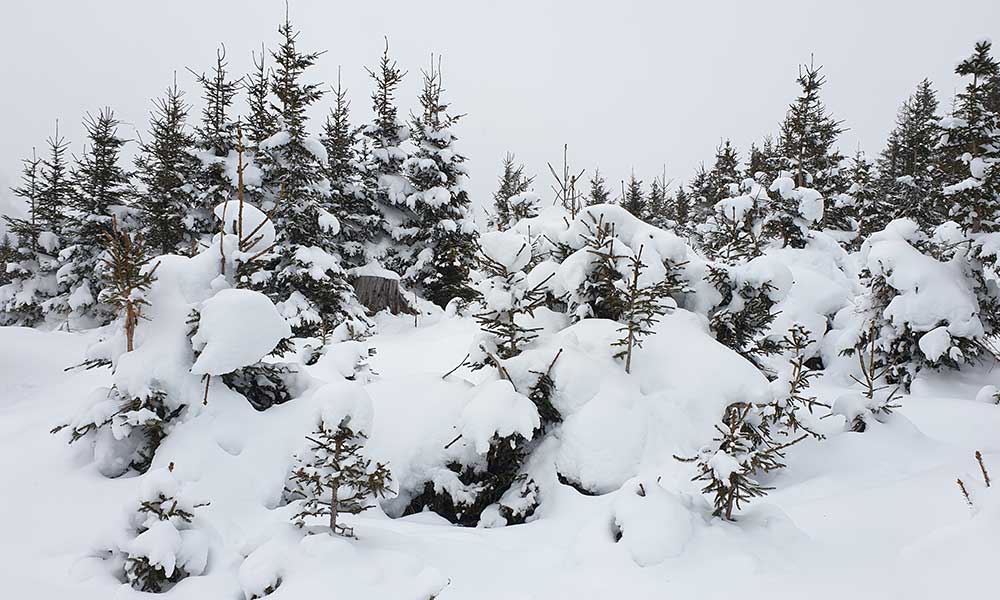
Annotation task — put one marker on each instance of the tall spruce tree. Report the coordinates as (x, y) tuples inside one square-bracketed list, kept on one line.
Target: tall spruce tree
[(681, 207), (101, 190), (350, 200), (443, 247), (166, 169), (909, 174), (513, 182), (215, 140), (971, 146), (874, 210), (303, 274), (805, 147), (384, 174)]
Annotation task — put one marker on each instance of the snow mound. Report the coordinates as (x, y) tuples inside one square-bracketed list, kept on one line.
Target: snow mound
[(236, 328)]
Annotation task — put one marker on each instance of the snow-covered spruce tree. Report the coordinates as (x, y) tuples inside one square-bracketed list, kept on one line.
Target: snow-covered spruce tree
[(334, 477), (166, 169), (385, 136), (737, 457), (805, 142), (658, 208), (167, 547), (644, 302), (350, 201), (215, 142), (725, 174), (923, 312), (599, 192), (971, 165), (303, 273), (443, 245), (681, 207), (513, 183), (971, 146), (909, 175), (599, 295), (31, 270), (733, 233), (867, 194), (805, 152), (877, 399), (505, 298), (792, 212), (633, 198), (782, 416), (101, 189), (745, 312)]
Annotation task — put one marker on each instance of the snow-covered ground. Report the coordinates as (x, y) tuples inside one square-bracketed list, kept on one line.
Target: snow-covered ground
[(873, 515)]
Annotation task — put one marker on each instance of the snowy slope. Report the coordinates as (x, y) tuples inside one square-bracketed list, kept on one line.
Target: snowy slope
[(874, 515)]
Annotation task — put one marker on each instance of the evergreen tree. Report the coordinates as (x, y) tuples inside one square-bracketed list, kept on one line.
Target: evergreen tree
[(643, 305), (303, 273), (164, 514), (657, 211), (909, 174), (261, 121), (166, 169), (725, 174), (634, 201), (805, 149), (682, 207), (513, 182), (215, 139), (385, 135), (443, 246), (350, 200), (335, 477), (700, 202), (599, 193), (807, 135), (971, 145), (506, 299), (29, 269), (874, 210), (101, 189)]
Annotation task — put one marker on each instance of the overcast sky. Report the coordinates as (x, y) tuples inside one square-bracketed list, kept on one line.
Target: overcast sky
[(625, 84)]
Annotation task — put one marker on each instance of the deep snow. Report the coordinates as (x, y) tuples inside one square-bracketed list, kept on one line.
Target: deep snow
[(873, 515)]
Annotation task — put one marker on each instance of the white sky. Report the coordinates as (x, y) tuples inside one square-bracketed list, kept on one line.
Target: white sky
[(626, 84)]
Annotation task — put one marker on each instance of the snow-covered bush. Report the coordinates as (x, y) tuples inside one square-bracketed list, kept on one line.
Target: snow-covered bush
[(922, 312), (167, 546), (793, 213), (741, 319)]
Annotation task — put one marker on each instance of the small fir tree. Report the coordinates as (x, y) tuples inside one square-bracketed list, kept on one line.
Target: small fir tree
[(633, 199), (164, 514), (643, 307), (335, 478), (599, 192), (513, 183)]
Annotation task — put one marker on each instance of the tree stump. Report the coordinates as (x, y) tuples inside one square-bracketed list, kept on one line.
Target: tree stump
[(377, 293)]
